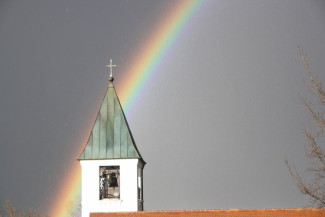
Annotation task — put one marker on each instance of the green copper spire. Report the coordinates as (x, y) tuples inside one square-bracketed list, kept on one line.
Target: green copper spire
[(110, 137)]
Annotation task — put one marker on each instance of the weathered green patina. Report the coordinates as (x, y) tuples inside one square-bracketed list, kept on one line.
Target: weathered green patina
[(110, 137)]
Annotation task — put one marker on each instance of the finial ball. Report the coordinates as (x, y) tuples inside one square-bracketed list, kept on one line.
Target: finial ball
[(111, 78)]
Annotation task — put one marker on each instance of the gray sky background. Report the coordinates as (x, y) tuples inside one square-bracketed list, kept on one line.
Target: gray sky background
[(213, 124)]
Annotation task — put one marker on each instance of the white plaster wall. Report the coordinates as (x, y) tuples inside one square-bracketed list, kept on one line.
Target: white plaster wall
[(90, 186)]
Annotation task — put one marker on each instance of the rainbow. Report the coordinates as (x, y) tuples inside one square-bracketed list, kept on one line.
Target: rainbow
[(155, 48), (141, 68)]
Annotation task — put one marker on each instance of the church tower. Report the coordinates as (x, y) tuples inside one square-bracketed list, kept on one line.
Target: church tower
[(111, 165)]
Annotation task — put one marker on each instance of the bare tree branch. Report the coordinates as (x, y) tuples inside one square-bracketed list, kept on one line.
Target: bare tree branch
[(315, 187), (12, 211)]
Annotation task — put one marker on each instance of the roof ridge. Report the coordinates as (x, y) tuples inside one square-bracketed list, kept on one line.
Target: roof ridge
[(281, 212)]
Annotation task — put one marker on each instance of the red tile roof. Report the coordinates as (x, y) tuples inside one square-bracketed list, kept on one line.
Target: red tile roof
[(301, 212)]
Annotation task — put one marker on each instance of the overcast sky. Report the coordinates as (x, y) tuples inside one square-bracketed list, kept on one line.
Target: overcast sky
[(213, 124)]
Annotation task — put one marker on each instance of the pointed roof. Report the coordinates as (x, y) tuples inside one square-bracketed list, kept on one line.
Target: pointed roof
[(111, 137)]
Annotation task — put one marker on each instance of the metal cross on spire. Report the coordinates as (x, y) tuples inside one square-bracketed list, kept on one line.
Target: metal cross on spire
[(111, 68)]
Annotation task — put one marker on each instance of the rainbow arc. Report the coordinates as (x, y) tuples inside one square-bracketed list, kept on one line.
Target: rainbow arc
[(140, 70)]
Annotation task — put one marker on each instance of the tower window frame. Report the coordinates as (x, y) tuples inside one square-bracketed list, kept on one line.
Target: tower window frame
[(109, 182)]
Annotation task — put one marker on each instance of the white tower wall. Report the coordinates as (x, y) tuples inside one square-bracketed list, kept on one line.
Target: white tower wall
[(130, 180)]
